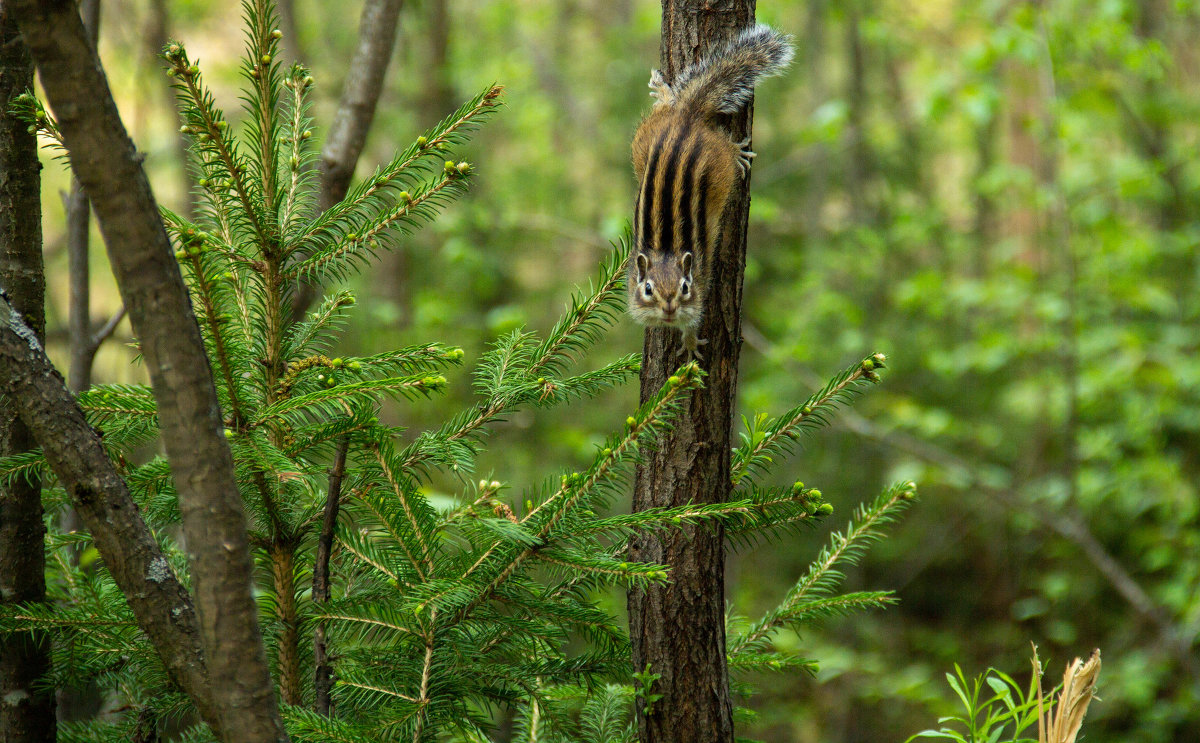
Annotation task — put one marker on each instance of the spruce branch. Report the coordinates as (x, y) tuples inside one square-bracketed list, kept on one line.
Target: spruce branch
[(190, 253), (261, 69), (765, 438), (339, 399), (813, 593), (213, 140), (392, 178), (354, 247), (587, 315), (641, 429), (513, 358), (116, 403), (297, 134), (27, 109), (416, 510)]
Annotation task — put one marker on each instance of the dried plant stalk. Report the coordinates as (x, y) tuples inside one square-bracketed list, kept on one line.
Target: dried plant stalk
[(1061, 723)]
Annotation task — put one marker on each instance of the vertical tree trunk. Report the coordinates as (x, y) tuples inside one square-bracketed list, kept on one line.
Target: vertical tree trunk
[(26, 713), (148, 275), (678, 630)]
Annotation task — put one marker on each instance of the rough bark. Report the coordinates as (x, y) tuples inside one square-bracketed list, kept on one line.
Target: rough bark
[(109, 168), (26, 712), (678, 630), (162, 606)]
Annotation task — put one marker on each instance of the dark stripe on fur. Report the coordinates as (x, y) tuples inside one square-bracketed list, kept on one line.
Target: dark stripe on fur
[(687, 181), (701, 241), (646, 199), (666, 226)]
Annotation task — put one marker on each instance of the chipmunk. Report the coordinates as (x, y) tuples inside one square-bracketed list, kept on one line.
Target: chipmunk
[(686, 167)]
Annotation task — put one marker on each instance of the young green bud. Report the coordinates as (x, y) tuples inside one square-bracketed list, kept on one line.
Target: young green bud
[(276, 34), (631, 421), (181, 254), (265, 59), (463, 168), (421, 141), (451, 168), (306, 134), (825, 509), (228, 433)]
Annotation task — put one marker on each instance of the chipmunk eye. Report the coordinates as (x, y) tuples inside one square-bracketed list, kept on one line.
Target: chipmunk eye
[(647, 290)]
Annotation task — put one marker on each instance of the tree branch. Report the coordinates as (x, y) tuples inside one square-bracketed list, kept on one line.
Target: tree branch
[(109, 168), (320, 589), (1070, 525)]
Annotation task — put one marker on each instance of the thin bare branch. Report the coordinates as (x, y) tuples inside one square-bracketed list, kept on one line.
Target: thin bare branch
[(320, 589)]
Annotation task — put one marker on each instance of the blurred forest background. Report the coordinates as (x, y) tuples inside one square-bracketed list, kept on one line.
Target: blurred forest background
[(1000, 195)]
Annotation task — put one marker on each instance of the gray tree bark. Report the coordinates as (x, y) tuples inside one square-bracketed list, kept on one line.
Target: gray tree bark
[(109, 168), (26, 712), (678, 630)]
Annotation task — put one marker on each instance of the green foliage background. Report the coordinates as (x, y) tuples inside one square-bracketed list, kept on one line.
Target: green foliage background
[(1002, 195)]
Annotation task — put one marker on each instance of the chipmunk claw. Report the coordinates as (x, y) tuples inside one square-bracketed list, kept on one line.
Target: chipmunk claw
[(745, 156), (691, 348)]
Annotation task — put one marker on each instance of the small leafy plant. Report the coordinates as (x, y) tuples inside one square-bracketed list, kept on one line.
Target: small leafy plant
[(1006, 712)]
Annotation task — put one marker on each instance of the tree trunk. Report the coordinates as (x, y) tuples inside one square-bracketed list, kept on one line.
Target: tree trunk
[(678, 630), (147, 273), (26, 712)]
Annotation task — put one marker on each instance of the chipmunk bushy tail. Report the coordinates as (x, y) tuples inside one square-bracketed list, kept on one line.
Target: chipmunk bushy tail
[(723, 81)]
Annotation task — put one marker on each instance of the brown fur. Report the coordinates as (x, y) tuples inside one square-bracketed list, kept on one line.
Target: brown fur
[(686, 169)]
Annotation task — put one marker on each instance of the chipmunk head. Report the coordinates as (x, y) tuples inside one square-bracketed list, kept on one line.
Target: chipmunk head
[(662, 290)]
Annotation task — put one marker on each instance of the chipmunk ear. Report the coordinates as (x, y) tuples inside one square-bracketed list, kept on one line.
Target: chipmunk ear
[(685, 263), (643, 267)]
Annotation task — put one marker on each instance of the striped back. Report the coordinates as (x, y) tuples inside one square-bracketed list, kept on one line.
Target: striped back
[(685, 171)]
